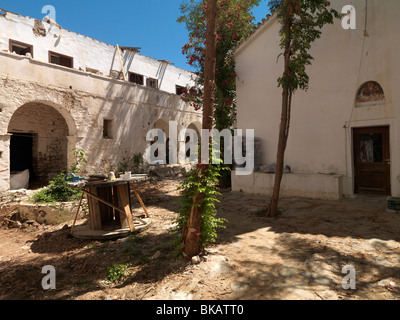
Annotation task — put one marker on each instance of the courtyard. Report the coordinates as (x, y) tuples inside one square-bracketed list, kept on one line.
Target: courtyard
[(298, 256)]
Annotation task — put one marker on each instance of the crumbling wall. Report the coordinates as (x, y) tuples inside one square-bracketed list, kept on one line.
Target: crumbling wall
[(50, 142), (67, 109), (39, 29)]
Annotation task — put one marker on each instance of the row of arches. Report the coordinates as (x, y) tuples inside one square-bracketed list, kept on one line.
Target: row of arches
[(183, 143), (42, 136)]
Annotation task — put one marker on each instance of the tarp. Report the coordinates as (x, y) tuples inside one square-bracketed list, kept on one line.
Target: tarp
[(19, 180)]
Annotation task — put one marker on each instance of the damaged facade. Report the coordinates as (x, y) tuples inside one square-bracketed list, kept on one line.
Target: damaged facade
[(345, 130), (60, 90)]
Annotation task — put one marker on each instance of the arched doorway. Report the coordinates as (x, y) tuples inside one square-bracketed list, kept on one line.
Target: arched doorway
[(38, 143), (163, 125), (192, 141)]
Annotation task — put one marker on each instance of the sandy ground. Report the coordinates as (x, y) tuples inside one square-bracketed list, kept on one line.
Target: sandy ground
[(298, 256)]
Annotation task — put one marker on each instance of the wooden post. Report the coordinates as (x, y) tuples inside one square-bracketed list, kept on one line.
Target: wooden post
[(127, 219), (94, 209), (77, 211), (122, 63), (140, 200)]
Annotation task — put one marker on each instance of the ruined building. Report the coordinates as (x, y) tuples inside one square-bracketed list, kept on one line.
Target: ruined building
[(60, 90)]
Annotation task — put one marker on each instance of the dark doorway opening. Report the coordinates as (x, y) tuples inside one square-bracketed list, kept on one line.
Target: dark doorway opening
[(21, 153)]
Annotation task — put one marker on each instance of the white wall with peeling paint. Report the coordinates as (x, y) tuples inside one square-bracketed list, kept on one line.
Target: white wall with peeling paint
[(87, 52), (320, 141), (83, 99)]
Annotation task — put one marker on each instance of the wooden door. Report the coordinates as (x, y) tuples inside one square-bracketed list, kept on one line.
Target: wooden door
[(372, 160)]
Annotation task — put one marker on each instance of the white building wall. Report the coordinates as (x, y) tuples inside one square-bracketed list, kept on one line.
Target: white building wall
[(87, 52), (320, 140), (83, 99)]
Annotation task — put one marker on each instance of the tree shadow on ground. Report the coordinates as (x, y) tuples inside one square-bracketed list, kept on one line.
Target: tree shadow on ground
[(312, 272), (354, 218), (81, 265)]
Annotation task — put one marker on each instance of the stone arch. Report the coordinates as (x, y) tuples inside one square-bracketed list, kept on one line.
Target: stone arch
[(370, 92), (196, 125), (72, 129), (40, 133), (189, 153), (162, 124)]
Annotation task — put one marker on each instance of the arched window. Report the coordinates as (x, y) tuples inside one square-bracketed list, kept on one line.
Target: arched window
[(370, 93)]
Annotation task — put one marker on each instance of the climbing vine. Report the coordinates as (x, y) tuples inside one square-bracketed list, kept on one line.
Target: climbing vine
[(204, 180), (235, 22)]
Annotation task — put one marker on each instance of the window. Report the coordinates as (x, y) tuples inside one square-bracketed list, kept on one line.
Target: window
[(153, 83), (108, 129), (371, 147), (180, 90), (136, 78), (21, 48), (61, 60)]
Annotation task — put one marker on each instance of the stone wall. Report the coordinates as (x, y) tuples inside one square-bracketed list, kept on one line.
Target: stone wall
[(49, 143), (67, 109)]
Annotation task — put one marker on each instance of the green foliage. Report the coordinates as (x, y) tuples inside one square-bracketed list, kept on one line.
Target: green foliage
[(306, 19), (134, 164), (204, 180), (235, 23), (58, 189), (117, 272), (80, 160)]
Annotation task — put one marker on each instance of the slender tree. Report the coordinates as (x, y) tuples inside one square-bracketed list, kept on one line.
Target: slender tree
[(301, 23), (235, 22), (191, 234), (215, 29)]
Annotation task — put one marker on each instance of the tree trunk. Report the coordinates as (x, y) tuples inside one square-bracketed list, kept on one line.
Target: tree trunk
[(192, 240), (284, 126)]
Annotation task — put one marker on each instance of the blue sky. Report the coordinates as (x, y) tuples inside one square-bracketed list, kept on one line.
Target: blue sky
[(149, 24)]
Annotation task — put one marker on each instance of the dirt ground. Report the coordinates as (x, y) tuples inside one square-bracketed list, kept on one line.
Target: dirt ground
[(297, 256)]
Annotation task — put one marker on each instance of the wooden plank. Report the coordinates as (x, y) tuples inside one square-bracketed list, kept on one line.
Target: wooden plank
[(93, 196), (126, 219), (122, 63), (105, 210), (77, 211), (95, 220), (139, 199), (89, 200)]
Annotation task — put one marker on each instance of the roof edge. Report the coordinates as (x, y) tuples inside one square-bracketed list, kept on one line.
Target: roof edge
[(259, 28)]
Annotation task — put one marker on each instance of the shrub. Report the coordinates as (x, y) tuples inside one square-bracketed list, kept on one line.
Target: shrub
[(57, 191), (117, 272)]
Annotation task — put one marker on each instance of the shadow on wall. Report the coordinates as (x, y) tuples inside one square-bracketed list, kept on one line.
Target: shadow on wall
[(132, 110)]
